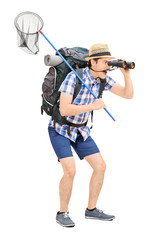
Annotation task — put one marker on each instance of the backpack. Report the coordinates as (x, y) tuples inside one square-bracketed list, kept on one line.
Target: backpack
[(54, 78)]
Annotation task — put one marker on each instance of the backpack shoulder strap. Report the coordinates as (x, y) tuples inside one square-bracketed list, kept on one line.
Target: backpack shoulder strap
[(101, 89), (102, 86), (78, 82)]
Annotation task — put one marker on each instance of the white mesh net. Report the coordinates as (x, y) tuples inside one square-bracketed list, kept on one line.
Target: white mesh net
[(28, 25)]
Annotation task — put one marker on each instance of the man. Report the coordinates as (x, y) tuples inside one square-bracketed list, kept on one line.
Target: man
[(77, 111)]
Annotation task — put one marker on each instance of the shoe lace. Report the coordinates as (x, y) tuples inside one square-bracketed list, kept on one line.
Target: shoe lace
[(66, 214), (99, 210)]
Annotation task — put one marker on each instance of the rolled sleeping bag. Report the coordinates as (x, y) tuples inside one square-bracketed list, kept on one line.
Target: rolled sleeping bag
[(52, 60)]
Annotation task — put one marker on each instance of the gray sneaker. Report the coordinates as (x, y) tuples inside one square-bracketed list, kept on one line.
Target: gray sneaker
[(98, 214), (64, 220)]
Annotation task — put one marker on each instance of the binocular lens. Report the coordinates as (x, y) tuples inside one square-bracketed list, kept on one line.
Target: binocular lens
[(124, 64), (130, 65)]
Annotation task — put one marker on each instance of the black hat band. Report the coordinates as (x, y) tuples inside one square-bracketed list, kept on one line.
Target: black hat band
[(100, 54)]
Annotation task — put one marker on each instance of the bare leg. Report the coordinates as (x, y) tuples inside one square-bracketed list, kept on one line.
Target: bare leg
[(97, 163), (66, 183)]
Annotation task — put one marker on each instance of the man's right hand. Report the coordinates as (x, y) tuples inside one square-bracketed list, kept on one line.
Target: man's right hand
[(98, 104)]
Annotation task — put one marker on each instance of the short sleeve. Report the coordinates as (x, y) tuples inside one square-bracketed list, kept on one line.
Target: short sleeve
[(109, 83), (68, 84)]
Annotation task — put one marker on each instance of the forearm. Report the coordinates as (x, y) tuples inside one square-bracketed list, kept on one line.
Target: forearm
[(128, 89), (69, 109), (72, 110)]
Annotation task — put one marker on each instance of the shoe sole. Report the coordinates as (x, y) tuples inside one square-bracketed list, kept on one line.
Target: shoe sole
[(65, 225), (96, 218)]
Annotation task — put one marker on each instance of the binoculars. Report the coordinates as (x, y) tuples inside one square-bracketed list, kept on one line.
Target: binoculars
[(122, 64)]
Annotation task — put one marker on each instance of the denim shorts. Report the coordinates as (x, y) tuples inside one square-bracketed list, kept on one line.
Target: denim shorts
[(62, 145)]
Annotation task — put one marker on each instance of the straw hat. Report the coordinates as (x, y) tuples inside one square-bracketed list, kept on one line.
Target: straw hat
[(99, 51)]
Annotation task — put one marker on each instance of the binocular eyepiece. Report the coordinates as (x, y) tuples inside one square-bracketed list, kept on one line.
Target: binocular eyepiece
[(122, 64)]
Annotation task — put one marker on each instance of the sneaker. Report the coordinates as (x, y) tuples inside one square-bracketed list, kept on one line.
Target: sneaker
[(98, 214), (64, 220)]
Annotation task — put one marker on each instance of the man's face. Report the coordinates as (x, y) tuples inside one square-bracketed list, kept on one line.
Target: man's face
[(100, 65)]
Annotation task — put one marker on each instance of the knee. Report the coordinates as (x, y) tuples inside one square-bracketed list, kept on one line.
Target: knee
[(103, 167), (100, 168), (70, 173)]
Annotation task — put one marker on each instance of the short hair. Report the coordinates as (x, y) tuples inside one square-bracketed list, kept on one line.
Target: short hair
[(89, 63)]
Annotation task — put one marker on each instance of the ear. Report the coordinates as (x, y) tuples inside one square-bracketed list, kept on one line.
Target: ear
[(93, 62)]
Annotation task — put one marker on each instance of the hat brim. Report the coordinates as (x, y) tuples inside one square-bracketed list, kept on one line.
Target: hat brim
[(89, 58)]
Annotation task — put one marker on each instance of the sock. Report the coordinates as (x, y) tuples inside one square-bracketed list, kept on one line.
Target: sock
[(91, 209), (60, 212)]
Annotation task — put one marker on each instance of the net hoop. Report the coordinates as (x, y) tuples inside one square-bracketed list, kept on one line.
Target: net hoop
[(28, 13)]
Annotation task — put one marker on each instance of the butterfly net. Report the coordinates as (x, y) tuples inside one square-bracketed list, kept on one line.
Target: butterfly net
[(28, 25)]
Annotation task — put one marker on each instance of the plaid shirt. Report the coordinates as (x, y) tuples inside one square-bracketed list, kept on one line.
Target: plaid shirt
[(83, 97)]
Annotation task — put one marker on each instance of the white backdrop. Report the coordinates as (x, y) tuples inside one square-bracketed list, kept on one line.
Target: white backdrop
[(29, 171)]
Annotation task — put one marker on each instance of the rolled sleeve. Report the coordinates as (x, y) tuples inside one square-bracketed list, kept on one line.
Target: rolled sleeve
[(68, 84), (109, 83)]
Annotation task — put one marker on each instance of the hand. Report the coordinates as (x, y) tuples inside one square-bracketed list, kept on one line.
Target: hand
[(98, 104), (125, 71)]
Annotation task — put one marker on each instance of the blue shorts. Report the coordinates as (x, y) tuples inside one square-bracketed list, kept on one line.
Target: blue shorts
[(62, 145)]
